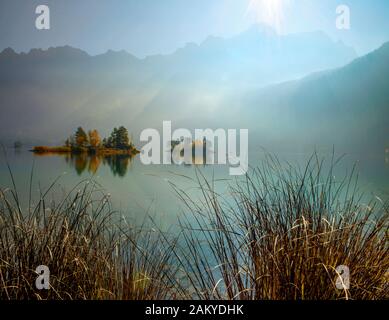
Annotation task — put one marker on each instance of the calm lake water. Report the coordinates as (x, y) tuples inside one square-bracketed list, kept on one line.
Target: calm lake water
[(138, 190)]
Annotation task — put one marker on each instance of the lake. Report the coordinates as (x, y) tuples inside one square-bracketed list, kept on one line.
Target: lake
[(138, 190)]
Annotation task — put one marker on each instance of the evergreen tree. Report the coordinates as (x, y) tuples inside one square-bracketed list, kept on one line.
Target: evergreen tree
[(81, 138), (122, 139), (114, 138), (118, 139), (110, 142)]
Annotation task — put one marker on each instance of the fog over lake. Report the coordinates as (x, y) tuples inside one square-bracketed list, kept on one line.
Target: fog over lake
[(138, 190)]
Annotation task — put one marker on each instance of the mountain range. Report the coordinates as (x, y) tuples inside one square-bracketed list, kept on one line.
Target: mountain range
[(285, 88)]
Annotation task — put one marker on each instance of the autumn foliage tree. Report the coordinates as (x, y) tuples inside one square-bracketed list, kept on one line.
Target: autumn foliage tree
[(118, 139), (94, 138)]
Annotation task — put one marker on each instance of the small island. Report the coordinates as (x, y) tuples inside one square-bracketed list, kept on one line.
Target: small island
[(118, 143)]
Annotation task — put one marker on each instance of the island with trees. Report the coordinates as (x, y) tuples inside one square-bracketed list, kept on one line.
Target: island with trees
[(118, 143)]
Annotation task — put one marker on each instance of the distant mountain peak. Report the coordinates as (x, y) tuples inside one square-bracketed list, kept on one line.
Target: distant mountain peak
[(110, 51), (66, 51), (51, 52), (118, 54), (8, 53)]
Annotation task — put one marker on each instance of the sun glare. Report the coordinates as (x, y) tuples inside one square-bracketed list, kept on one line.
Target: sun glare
[(270, 12)]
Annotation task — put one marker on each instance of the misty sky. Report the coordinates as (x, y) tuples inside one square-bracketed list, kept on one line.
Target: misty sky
[(161, 26)]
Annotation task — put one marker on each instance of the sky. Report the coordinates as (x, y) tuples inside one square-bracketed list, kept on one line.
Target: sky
[(150, 27)]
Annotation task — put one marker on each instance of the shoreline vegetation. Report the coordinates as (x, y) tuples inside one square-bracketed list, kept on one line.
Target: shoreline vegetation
[(118, 143), (280, 234), (90, 151)]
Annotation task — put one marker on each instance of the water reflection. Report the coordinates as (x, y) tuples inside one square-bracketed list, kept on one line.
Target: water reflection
[(198, 155), (188, 152), (84, 162), (118, 163)]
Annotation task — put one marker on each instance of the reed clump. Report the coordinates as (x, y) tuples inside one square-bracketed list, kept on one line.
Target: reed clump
[(89, 253), (287, 233)]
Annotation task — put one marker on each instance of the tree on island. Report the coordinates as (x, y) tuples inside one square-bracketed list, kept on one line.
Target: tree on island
[(91, 142), (94, 138), (81, 138), (123, 140), (118, 139)]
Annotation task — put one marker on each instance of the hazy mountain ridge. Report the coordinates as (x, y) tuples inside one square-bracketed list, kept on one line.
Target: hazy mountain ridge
[(257, 57), (348, 105), (221, 82)]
